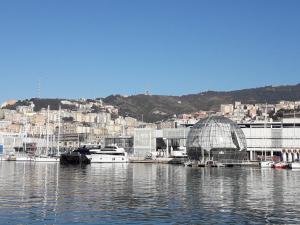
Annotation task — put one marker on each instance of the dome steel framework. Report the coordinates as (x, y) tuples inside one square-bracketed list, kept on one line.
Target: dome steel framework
[(216, 138)]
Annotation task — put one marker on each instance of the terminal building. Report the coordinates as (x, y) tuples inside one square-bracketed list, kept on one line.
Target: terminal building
[(270, 140), (273, 140)]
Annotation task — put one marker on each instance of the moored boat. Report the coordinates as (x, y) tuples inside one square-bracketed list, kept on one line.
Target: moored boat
[(24, 159), (11, 157), (210, 163), (219, 164), (180, 152), (281, 165), (266, 164), (47, 159), (108, 154), (78, 156), (188, 163)]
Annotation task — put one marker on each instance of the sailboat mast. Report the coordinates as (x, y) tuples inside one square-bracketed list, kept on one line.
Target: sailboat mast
[(294, 138), (25, 145), (40, 142), (58, 137), (47, 130)]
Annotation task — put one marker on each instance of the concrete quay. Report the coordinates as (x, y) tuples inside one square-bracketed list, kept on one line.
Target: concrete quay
[(157, 160)]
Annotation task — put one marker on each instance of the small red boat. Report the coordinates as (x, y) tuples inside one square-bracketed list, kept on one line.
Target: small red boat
[(281, 165)]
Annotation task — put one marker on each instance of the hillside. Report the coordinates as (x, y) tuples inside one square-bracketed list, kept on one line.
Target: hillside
[(43, 103), (153, 108)]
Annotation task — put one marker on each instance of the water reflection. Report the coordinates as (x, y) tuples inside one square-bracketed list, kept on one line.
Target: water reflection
[(146, 193)]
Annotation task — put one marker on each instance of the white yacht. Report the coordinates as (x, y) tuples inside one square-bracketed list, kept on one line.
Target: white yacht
[(266, 164), (108, 154)]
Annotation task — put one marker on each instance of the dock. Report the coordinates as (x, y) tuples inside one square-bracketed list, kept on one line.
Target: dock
[(157, 160), (223, 164)]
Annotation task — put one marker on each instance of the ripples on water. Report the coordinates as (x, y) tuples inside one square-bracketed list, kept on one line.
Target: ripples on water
[(45, 193)]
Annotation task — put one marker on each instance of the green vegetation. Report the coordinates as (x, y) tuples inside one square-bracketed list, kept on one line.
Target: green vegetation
[(147, 106)]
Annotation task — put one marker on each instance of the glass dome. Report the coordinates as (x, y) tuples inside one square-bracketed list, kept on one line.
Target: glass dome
[(216, 138)]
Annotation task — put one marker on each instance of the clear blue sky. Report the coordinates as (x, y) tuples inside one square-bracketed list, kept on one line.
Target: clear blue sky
[(96, 48)]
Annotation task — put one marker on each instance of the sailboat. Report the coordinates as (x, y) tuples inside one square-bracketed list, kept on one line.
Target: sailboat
[(266, 163), (46, 157), (27, 157)]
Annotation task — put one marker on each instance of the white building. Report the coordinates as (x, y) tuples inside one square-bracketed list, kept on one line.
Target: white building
[(226, 109), (271, 139)]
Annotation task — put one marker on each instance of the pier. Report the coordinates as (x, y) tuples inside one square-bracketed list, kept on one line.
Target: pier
[(157, 160)]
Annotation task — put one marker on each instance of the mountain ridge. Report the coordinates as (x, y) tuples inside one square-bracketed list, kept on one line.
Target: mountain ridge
[(152, 108)]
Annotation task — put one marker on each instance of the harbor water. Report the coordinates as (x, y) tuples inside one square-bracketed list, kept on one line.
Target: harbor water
[(49, 193)]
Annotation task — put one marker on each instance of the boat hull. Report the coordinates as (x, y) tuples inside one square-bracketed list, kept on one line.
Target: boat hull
[(46, 159), (24, 159), (281, 166), (70, 158), (266, 164), (101, 158)]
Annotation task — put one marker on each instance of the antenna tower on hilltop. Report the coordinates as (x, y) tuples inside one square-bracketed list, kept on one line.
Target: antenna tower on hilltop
[(39, 88)]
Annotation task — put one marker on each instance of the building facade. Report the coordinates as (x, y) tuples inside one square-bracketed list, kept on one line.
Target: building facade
[(270, 140), (273, 139)]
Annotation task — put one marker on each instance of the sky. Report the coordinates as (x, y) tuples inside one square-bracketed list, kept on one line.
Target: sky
[(95, 48)]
